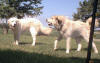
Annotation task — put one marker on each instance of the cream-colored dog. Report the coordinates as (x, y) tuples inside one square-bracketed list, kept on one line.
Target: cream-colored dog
[(89, 20), (70, 29), (31, 24)]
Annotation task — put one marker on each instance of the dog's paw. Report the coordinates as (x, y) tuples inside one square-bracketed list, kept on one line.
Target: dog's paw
[(33, 44), (96, 52), (55, 49), (78, 50), (67, 51), (15, 43)]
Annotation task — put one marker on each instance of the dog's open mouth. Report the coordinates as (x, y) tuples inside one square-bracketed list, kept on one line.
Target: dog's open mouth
[(50, 24)]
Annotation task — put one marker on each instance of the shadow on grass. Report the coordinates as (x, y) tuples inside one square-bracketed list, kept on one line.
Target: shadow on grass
[(27, 43), (62, 49), (11, 56), (74, 49), (24, 43), (85, 49)]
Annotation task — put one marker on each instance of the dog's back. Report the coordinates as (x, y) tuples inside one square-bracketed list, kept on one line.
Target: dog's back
[(74, 28), (27, 23)]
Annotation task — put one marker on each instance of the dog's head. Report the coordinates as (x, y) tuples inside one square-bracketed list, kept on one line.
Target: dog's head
[(56, 21), (12, 22)]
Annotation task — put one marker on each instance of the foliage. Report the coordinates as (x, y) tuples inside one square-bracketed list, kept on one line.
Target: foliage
[(85, 10), (10, 8)]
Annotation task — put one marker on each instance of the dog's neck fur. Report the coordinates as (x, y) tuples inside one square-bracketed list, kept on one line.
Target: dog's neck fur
[(59, 27)]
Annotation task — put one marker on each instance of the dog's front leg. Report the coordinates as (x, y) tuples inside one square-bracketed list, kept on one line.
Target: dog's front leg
[(16, 37), (34, 40), (68, 45), (56, 42)]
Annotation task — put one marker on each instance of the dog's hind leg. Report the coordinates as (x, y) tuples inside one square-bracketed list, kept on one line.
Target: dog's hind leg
[(93, 44), (95, 48), (33, 33), (79, 44), (68, 44)]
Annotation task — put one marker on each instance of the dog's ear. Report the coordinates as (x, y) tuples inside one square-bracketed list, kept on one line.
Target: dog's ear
[(16, 23), (60, 19)]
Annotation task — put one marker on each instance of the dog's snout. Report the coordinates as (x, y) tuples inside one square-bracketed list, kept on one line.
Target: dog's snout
[(14, 25)]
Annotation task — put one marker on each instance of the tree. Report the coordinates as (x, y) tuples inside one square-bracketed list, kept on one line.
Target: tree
[(85, 10), (10, 8)]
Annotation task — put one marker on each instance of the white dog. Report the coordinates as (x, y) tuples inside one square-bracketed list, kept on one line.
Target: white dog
[(31, 24), (70, 29)]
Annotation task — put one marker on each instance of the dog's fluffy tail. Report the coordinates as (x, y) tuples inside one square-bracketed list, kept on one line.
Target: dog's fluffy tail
[(89, 21), (45, 30)]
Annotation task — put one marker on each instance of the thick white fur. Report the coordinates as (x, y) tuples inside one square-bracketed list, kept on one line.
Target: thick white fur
[(27, 24), (70, 29)]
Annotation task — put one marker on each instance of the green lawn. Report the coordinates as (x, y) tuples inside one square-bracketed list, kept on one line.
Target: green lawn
[(43, 51)]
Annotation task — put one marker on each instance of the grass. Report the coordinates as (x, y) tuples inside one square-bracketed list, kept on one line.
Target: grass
[(43, 51)]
